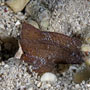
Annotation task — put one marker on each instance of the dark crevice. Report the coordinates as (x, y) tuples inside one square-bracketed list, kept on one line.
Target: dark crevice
[(8, 48)]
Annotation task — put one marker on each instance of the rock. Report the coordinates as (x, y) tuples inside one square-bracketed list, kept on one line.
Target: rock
[(17, 5), (87, 61), (87, 39), (44, 24), (3, 33), (44, 17), (32, 8), (83, 75), (48, 77), (85, 48), (39, 13), (50, 4), (33, 23), (63, 67)]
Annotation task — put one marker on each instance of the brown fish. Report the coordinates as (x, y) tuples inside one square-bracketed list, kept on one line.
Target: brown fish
[(44, 50)]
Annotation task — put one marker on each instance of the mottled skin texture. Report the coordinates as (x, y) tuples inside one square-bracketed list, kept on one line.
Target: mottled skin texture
[(44, 50)]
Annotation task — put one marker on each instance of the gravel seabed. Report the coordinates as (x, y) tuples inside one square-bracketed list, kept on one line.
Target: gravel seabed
[(17, 75)]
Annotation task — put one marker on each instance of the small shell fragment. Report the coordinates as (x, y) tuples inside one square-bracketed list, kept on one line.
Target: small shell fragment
[(48, 77), (19, 52)]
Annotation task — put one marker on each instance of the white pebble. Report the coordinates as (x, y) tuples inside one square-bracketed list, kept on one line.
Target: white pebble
[(2, 63), (77, 86), (46, 86), (6, 66), (72, 68), (2, 26), (17, 23), (39, 84), (31, 88), (49, 77)]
